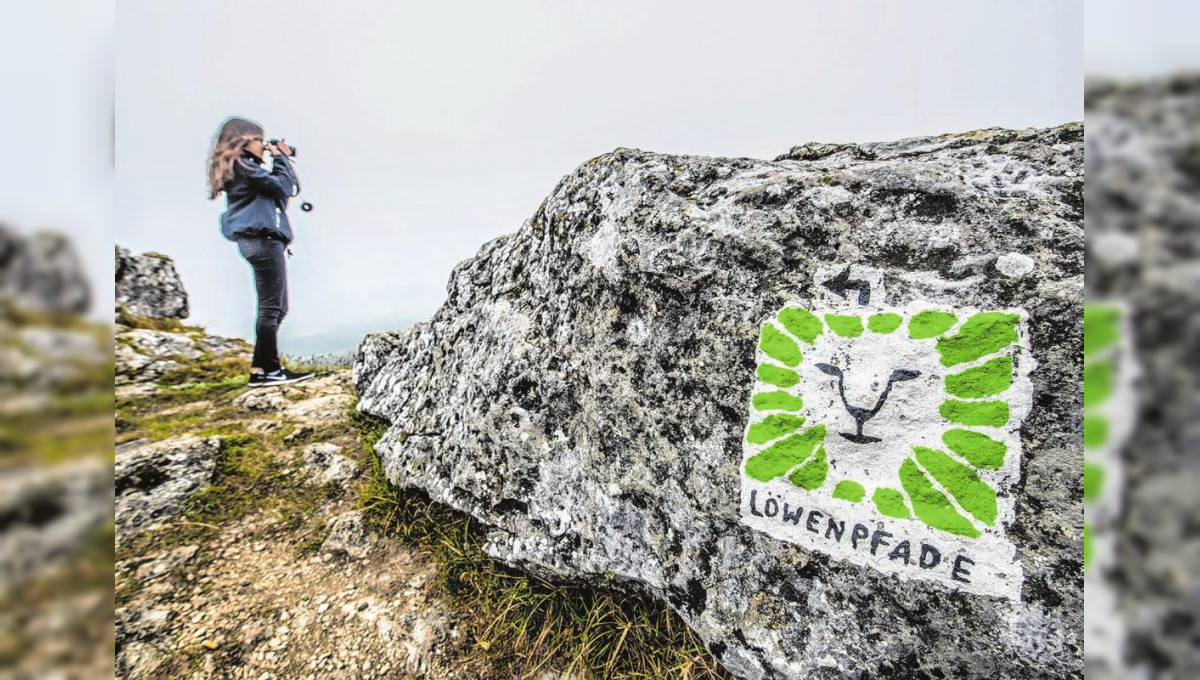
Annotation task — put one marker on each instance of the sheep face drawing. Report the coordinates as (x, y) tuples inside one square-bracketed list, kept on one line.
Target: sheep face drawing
[(913, 413)]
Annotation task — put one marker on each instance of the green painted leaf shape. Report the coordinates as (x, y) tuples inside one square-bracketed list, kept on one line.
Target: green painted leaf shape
[(777, 401), (849, 490), (779, 346), (986, 380), (1099, 327), (1098, 381), (884, 323), (971, 492), (774, 375), (845, 326), (773, 427), (801, 323), (1093, 481), (1095, 431), (930, 324), (981, 335), (978, 449), (991, 413), (812, 474), (784, 454), (931, 505), (890, 502)]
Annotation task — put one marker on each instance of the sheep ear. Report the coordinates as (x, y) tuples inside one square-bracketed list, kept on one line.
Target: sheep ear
[(904, 374), (829, 370)]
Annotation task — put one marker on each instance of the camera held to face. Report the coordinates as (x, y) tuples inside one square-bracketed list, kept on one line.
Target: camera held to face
[(274, 142), (304, 205)]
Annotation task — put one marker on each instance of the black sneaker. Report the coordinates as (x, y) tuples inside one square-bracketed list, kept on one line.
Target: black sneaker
[(279, 377)]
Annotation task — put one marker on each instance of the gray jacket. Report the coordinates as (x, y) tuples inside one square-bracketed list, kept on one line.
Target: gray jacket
[(256, 199)]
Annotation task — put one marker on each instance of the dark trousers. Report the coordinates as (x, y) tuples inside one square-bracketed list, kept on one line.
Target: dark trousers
[(266, 258)]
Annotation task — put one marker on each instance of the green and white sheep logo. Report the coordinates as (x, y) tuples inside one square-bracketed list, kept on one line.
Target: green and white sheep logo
[(909, 413)]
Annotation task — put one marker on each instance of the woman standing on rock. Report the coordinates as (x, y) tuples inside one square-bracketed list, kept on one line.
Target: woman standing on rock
[(256, 218)]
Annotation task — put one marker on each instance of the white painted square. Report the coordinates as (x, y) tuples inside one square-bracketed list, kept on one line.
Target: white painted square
[(912, 373)]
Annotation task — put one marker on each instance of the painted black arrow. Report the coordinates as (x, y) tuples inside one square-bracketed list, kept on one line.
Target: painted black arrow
[(841, 283)]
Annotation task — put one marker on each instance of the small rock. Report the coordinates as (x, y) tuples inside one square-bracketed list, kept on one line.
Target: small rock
[(254, 632), (322, 409), (140, 660), (161, 344), (42, 272), (158, 621), (163, 565), (262, 400), (301, 432), (262, 426), (324, 463), (48, 513), (148, 285), (348, 535), (153, 481)]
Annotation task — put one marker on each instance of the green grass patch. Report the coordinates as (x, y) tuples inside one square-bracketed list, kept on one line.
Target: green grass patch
[(139, 420), (209, 369), (65, 429), (215, 382), (59, 409), (22, 316), (248, 478), (519, 623), (81, 404), (187, 393), (127, 318), (54, 448)]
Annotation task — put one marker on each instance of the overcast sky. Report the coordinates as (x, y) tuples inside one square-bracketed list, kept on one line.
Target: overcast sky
[(56, 155), (1141, 38), (426, 129)]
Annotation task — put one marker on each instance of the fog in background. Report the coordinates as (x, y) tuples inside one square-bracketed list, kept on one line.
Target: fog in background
[(56, 148), (1140, 38), (426, 130)]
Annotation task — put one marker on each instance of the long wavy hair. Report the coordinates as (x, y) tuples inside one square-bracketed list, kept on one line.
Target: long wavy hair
[(227, 147)]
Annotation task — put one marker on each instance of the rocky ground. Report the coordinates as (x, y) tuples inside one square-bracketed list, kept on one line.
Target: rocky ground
[(257, 537), (56, 532), (254, 541), (242, 551)]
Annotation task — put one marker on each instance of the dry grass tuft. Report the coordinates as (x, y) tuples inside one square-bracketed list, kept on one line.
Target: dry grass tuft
[(519, 623)]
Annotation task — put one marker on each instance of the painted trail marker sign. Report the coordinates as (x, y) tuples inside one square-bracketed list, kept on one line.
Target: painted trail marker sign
[(889, 437), (1109, 409)]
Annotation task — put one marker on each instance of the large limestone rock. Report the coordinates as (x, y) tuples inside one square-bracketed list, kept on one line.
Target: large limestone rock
[(142, 355), (47, 513), (1143, 224), (153, 481), (42, 273), (612, 389), (149, 286)]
